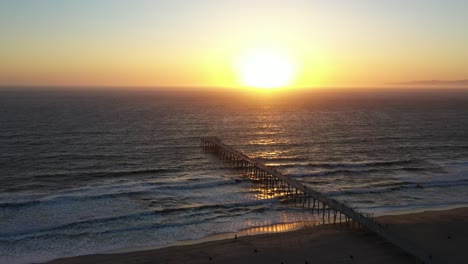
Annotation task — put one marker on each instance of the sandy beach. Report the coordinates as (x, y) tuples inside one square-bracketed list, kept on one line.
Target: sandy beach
[(442, 233)]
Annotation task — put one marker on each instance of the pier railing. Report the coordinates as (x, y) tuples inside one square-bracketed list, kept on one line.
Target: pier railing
[(309, 197)]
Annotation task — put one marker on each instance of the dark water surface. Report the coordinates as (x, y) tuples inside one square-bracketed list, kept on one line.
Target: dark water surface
[(89, 172)]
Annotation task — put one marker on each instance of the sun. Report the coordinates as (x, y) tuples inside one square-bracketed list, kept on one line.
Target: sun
[(266, 69)]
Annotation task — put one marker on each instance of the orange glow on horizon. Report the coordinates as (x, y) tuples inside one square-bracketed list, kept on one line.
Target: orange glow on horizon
[(322, 44)]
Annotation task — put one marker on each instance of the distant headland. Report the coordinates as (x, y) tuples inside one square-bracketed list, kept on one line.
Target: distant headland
[(435, 83)]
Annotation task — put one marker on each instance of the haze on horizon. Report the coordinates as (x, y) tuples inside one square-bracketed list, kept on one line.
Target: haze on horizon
[(198, 43)]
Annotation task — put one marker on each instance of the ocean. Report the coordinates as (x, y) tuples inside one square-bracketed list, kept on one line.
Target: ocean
[(85, 172)]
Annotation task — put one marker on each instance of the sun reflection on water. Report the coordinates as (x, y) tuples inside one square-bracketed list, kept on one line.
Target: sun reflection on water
[(269, 141), (277, 228)]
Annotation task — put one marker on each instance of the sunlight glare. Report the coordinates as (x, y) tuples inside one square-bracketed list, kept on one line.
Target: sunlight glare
[(266, 69)]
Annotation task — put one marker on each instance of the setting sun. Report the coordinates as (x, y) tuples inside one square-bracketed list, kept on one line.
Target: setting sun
[(266, 69)]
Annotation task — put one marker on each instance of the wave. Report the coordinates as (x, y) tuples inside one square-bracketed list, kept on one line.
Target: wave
[(148, 189), (204, 212), (86, 156), (112, 155), (102, 174), (450, 147), (380, 210), (362, 171), (280, 160), (336, 165), (207, 185), (402, 186)]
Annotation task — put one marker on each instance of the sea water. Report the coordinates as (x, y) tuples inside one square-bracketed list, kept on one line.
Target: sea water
[(92, 172)]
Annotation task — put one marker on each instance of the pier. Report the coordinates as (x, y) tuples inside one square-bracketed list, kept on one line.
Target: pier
[(332, 210)]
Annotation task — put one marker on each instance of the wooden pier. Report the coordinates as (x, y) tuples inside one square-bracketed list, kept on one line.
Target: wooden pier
[(333, 210)]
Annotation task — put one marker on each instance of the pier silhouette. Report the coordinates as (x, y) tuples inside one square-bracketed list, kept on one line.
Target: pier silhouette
[(329, 209)]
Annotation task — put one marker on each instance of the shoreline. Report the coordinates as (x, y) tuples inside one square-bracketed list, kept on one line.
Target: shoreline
[(279, 228), (254, 231), (420, 209), (436, 230)]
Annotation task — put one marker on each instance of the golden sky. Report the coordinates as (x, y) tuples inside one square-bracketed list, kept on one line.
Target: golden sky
[(199, 42)]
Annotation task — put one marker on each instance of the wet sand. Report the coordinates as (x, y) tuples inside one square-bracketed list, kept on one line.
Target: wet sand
[(442, 233)]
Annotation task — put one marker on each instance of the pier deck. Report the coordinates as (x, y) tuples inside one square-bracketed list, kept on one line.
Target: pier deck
[(291, 187)]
